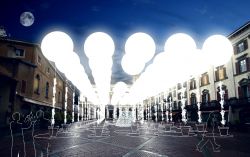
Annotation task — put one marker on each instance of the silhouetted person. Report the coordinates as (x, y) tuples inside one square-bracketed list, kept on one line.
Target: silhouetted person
[(209, 137), (17, 138), (39, 125)]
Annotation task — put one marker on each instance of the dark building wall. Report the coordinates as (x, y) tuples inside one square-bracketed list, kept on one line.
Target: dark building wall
[(6, 98), (19, 91)]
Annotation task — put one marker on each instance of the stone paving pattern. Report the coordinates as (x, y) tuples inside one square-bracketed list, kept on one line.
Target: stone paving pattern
[(77, 142)]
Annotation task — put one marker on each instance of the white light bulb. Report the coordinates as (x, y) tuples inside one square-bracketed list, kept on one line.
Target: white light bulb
[(99, 45), (132, 66), (218, 49), (141, 46)]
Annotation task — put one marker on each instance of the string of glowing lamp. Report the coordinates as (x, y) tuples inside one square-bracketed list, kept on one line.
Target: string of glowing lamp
[(99, 48), (139, 49), (58, 47), (180, 60)]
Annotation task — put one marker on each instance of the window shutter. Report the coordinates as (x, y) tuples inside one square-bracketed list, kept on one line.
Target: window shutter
[(224, 72), (217, 75), (207, 79), (235, 49), (248, 64), (237, 67), (245, 44), (239, 92)]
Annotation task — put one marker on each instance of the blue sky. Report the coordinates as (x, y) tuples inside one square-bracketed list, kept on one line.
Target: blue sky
[(121, 18)]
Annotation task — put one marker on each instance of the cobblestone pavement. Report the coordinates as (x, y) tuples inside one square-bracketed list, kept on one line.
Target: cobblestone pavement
[(107, 140)]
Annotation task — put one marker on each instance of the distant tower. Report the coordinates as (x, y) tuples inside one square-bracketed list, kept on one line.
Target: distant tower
[(2, 32)]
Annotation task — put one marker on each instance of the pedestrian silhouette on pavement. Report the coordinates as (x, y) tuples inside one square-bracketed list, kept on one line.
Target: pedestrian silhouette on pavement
[(209, 137), (40, 132)]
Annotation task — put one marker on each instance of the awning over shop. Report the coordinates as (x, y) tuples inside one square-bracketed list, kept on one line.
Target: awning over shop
[(39, 103)]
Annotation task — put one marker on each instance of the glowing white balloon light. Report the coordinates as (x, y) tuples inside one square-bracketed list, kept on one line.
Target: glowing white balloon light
[(180, 48), (119, 91), (67, 61), (56, 44), (160, 58), (141, 46), (99, 45), (218, 49), (162, 64), (101, 65), (132, 66), (179, 43), (147, 78), (199, 62)]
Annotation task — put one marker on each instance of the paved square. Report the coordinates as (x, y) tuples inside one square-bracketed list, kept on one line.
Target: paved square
[(113, 141)]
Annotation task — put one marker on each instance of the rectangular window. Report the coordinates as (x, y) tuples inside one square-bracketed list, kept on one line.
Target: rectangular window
[(39, 60), (220, 73), (48, 70), (47, 90), (204, 79), (23, 86), (192, 84), (20, 53), (37, 84), (242, 46), (179, 96), (243, 65), (59, 96)]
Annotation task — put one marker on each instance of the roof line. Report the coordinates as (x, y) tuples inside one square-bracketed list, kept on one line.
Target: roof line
[(239, 29)]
